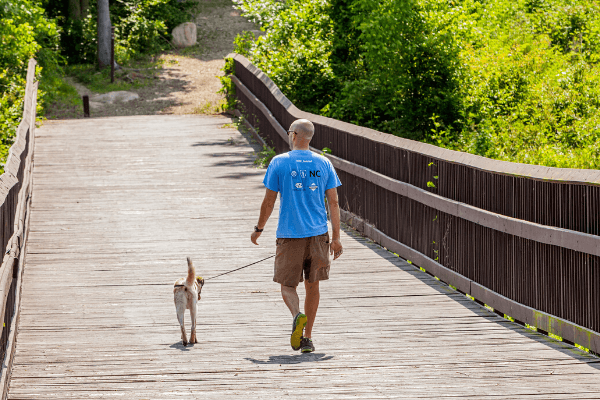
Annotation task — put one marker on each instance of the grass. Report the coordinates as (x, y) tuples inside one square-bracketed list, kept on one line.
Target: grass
[(59, 99), (136, 74), (210, 108), (264, 157)]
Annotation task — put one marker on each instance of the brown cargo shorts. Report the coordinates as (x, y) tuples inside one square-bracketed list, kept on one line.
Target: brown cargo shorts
[(302, 258)]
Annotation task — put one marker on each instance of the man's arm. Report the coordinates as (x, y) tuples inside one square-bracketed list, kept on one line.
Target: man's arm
[(266, 209), (334, 210)]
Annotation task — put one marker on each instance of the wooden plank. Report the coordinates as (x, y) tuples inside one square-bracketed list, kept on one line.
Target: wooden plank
[(112, 221)]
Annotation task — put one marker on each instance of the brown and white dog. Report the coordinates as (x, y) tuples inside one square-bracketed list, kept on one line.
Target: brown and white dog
[(187, 293)]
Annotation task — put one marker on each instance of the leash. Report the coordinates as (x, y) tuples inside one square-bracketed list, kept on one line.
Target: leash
[(237, 269)]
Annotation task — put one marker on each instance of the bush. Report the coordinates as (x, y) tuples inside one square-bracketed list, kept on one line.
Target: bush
[(407, 80), (141, 27), (295, 51), (512, 80), (24, 33), (145, 26)]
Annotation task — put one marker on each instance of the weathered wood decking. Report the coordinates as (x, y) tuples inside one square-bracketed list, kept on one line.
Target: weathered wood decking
[(119, 203)]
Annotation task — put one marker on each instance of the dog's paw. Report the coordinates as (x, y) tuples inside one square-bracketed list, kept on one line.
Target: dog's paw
[(193, 338), (185, 343)]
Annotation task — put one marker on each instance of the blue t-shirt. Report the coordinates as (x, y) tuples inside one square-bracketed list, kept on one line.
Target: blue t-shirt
[(302, 177)]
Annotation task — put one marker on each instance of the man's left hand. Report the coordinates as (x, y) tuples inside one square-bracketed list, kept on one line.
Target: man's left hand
[(254, 237), (335, 248)]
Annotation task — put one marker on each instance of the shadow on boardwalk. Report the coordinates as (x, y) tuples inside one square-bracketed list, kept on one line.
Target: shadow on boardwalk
[(482, 312), (295, 359)]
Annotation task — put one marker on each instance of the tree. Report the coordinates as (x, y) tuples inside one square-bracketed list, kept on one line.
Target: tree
[(77, 9), (104, 33)]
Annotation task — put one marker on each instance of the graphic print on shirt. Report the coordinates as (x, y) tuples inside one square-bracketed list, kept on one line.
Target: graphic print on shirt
[(300, 179), (303, 177), (297, 181)]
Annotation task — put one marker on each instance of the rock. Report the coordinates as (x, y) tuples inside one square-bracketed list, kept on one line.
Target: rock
[(111, 97), (185, 35)]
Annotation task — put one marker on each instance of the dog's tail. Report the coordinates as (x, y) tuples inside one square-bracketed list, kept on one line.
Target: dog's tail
[(191, 273)]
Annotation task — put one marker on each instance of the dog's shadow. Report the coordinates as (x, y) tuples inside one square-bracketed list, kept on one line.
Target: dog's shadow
[(180, 346), (295, 359)]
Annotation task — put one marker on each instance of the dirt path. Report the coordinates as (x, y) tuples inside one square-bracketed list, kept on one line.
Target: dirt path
[(188, 81)]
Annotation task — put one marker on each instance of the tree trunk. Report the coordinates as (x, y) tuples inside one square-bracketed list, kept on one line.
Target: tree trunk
[(85, 8), (103, 34), (75, 10)]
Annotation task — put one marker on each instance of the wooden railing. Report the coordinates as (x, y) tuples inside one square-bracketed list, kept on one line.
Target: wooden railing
[(15, 195), (523, 239)]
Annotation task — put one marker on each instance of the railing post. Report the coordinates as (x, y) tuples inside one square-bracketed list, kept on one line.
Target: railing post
[(86, 106)]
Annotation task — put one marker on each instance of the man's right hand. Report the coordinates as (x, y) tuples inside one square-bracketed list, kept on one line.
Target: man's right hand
[(254, 237), (335, 248)]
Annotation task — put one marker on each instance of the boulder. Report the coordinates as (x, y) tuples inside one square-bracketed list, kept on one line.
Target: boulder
[(185, 35), (111, 97)]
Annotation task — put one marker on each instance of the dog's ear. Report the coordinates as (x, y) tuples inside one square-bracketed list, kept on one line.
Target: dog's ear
[(200, 281)]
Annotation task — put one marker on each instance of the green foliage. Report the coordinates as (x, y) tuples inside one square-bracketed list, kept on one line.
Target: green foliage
[(295, 51), (99, 81), (511, 80), (261, 12), (141, 27), (228, 87), (243, 43), (264, 157), (407, 80), (58, 98), (24, 33), (144, 26), (533, 92)]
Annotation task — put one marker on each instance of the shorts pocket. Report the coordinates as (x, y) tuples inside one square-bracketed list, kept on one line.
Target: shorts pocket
[(324, 238)]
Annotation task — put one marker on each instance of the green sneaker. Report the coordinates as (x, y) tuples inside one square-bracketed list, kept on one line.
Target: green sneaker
[(297, 331), (307, 345)]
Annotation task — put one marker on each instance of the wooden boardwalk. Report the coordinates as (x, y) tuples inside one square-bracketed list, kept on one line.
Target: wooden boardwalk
[(120, 202)]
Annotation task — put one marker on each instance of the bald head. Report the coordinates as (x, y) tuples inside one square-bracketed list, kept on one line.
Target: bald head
[(303, 128)]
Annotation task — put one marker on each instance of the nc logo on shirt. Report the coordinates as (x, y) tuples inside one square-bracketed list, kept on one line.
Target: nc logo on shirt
[(303, 174)]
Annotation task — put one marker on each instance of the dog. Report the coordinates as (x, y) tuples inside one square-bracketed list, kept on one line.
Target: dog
[(187, 294)]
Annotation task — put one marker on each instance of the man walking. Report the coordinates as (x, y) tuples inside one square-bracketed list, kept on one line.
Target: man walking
[(304, 179)]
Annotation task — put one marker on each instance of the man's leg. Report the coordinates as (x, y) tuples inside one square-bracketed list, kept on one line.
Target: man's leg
[(311, 304), (290, 298)]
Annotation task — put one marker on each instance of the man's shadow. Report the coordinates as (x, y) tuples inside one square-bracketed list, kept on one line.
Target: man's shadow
[(295, 359)]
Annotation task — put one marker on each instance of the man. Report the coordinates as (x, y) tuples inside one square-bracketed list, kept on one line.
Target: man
[(304, 179)]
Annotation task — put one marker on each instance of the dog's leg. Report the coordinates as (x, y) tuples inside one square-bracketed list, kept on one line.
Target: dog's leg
[(193, 312), (181, 317)]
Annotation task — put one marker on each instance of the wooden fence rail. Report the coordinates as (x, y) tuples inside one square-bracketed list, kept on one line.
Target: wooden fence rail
[(523, 239), (15, 195)]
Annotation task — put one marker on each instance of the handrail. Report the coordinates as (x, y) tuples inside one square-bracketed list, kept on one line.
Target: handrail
[(542, 268), (540, 172), (15, 200), (544, 234)]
